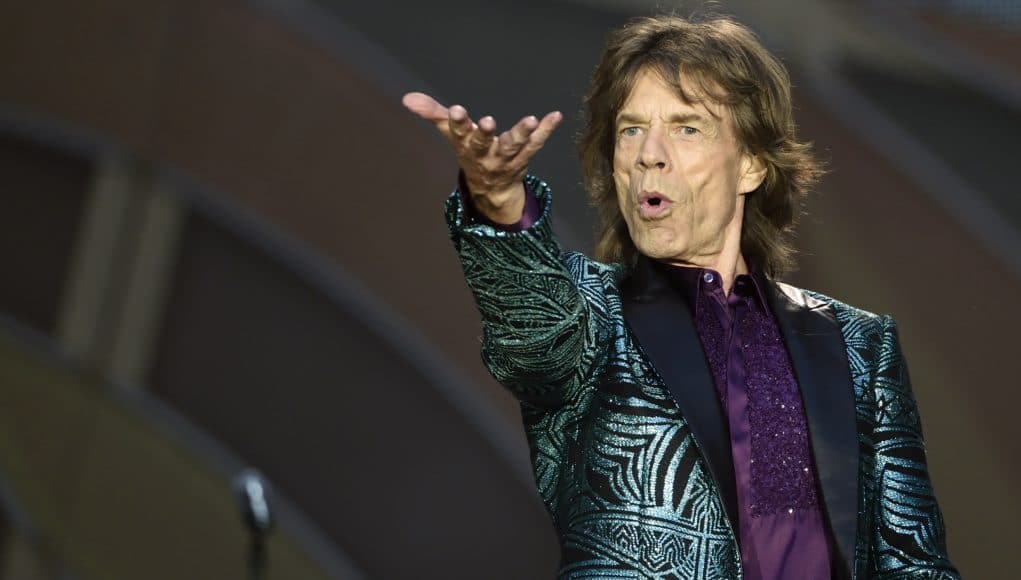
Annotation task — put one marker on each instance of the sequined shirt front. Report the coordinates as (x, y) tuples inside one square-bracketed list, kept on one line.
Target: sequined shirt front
[(782, 528)]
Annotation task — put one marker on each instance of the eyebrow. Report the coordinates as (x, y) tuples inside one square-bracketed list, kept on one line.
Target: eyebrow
[(631, 118)]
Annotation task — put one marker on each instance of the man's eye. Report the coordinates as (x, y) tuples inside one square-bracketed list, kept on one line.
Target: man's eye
[(689, 131), (629, 131)]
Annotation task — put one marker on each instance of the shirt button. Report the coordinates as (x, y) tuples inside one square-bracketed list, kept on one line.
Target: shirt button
[(708, 277)]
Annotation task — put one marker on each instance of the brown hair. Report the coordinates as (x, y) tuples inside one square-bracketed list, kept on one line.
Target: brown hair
[(729, 65)]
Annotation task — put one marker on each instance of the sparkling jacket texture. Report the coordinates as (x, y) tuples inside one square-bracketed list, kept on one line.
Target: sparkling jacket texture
[(628, 442)]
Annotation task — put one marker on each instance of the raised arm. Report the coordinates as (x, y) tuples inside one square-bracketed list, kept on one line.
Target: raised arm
[(541, 332)]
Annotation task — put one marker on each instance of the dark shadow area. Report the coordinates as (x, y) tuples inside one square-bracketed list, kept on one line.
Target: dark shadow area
[(338, 420), (42, 193), (975, 135)]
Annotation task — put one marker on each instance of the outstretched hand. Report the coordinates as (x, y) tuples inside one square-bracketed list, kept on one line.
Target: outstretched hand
[(493, 166)]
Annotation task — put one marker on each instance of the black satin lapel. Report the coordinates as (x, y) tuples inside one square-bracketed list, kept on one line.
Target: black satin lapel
[(662, 325), (819, 357)]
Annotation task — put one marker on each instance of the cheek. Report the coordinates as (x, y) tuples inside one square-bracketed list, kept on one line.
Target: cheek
[(620, 183), (619, 175), (699, 175), (621, 163)]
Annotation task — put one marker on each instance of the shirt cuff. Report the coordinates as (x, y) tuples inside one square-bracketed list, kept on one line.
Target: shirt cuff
[(528, 216)]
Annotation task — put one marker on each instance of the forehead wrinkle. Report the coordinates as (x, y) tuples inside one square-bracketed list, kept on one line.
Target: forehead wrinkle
[(695, 86), (690, 91), (628, 116), (719, 118)]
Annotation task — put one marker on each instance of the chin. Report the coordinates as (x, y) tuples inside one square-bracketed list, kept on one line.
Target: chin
[(658, 249), (654, 251)]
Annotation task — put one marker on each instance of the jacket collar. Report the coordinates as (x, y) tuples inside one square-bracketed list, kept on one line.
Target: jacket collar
[(818, 354), (659, 319)]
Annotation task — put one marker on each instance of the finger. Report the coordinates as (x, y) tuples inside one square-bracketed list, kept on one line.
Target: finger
[(426, 107), (512, 141), (546, 127), (460, 123), (482, 138)]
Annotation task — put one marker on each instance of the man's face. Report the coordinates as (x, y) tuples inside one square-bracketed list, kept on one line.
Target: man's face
[(680, 174)]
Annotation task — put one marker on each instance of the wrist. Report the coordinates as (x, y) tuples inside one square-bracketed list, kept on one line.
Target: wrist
[(504, 207)]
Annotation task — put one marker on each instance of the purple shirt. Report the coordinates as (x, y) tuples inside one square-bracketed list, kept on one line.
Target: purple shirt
[(783, 532), (781, 526)]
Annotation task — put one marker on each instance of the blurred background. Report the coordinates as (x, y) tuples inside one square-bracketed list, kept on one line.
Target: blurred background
[(222, 246)]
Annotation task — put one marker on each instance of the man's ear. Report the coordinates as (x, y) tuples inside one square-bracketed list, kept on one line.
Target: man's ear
[(753, 171)]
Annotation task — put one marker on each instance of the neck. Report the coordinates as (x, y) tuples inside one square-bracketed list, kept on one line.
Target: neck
[(730, 271), (728, 261), (728, 267)]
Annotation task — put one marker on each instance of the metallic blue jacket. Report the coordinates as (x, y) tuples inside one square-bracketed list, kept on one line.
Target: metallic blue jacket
[(628, 440)]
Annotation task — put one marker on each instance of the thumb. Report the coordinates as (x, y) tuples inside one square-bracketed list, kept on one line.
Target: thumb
[(425, 106)]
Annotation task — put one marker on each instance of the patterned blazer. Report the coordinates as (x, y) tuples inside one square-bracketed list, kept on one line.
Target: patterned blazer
[(628, 440)]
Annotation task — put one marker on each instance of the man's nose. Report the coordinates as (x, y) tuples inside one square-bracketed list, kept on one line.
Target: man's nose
[(653, 152)]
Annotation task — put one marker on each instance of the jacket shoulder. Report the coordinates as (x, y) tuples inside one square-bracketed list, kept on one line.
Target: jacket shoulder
[(843, 311), (860, 328)]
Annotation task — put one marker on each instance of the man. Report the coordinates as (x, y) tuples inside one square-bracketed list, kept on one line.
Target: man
[(689, 416)]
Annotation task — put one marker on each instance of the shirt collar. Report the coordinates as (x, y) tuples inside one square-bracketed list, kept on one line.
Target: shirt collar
[(690, 280)]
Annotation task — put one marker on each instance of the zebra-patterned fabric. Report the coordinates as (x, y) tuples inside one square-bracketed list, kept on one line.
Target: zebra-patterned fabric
[(900, 527), (614, 459)]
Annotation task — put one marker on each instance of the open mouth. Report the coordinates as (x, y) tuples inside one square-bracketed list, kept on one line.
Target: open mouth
[(653, 204)]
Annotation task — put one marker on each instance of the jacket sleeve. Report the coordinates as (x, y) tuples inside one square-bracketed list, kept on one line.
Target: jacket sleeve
[(539, 336), (908, 540)]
